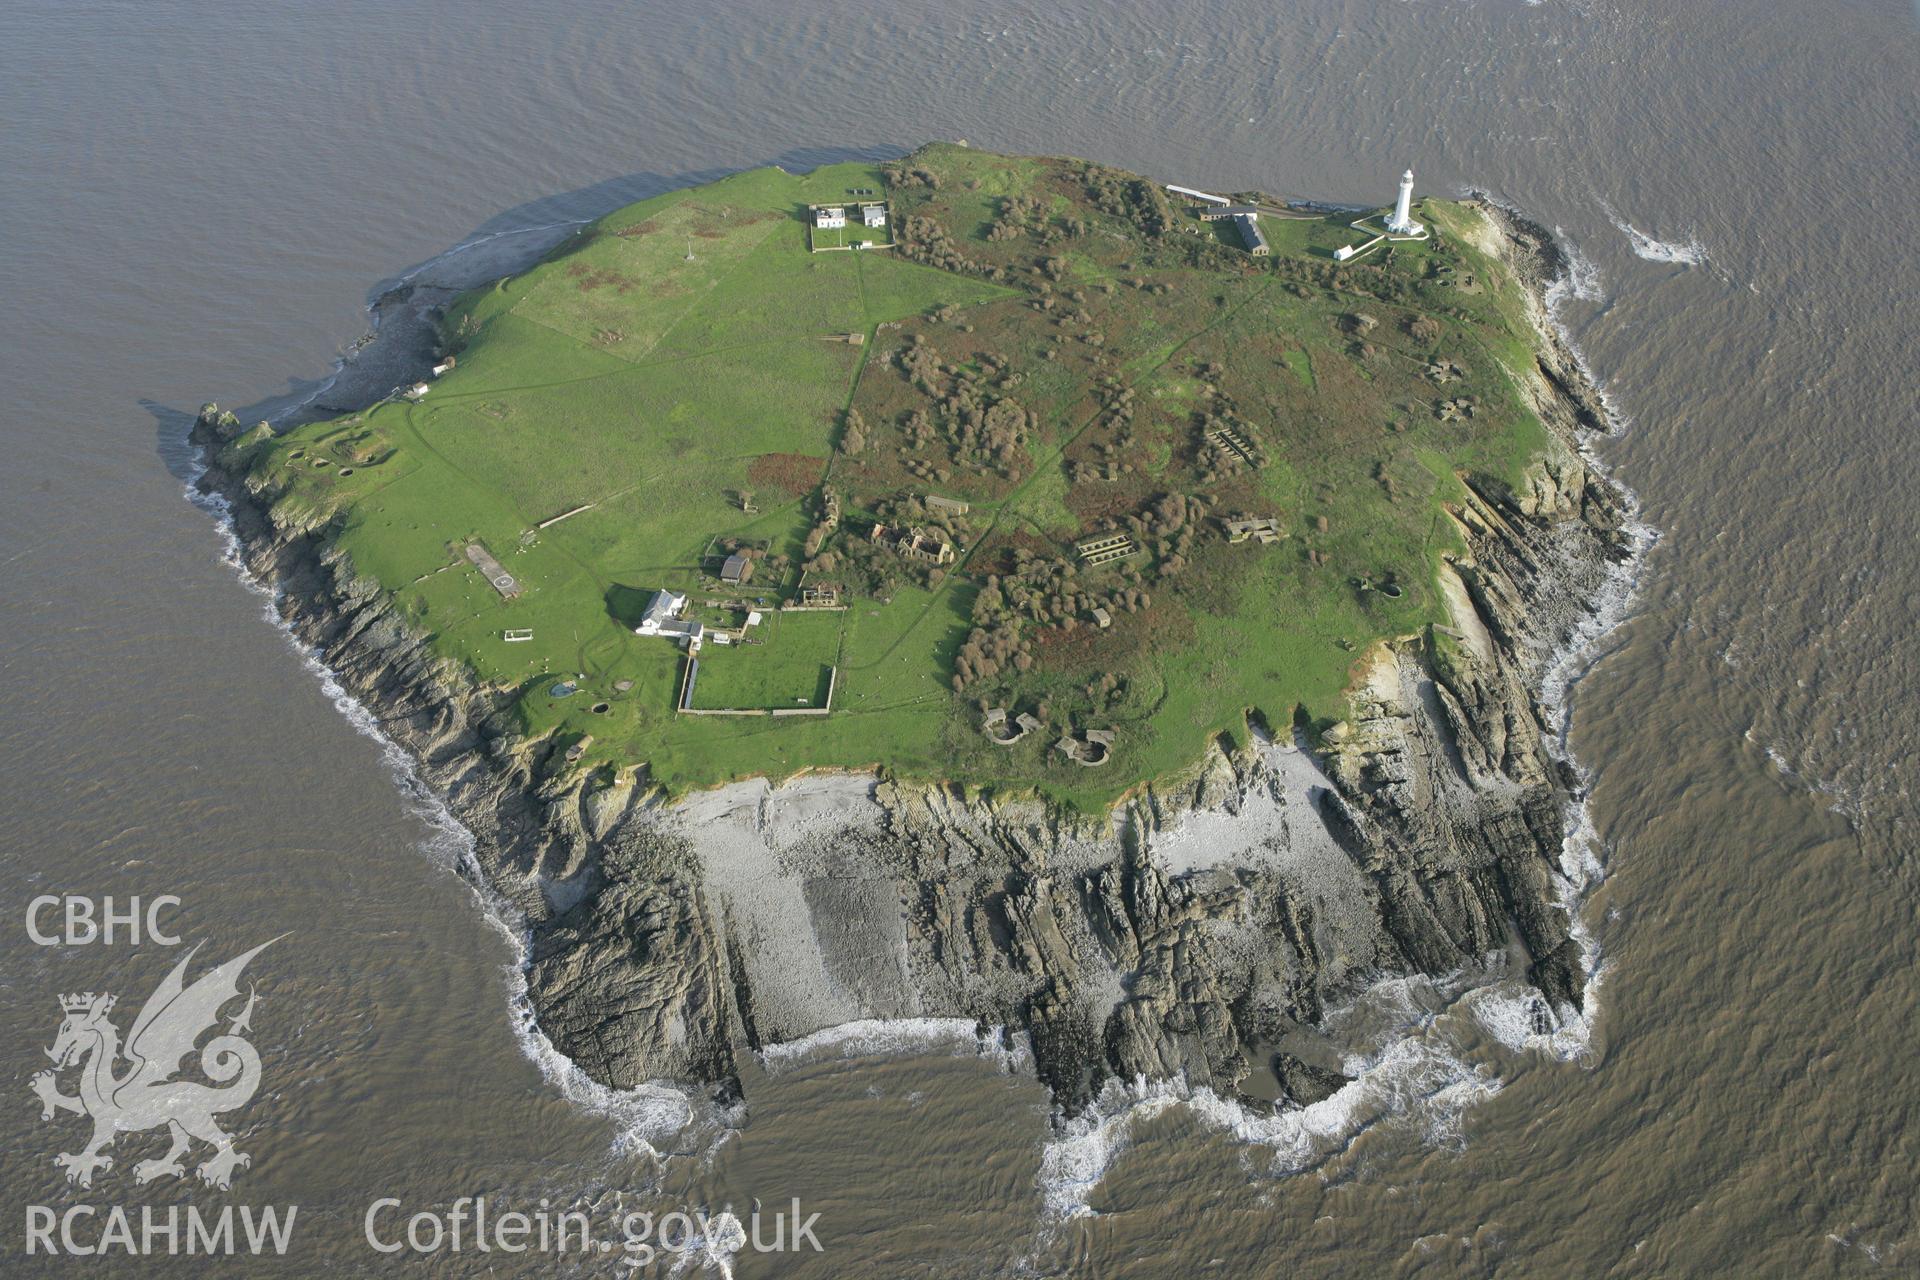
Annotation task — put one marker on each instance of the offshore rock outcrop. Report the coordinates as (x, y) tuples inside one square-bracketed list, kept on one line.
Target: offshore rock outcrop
[(1212, 921)]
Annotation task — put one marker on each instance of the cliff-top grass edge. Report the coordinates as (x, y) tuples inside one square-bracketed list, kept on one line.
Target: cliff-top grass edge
[(1019, 474)]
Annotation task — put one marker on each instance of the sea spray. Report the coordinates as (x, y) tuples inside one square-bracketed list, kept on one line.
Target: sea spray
[(1690, 253), (1580, 279), (1408, 1074)]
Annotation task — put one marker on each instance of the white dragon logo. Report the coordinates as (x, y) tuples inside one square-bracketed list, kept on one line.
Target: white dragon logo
[(147, 1096)]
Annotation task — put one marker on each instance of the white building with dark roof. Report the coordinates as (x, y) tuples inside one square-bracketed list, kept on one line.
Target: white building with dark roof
[(662, 618), (664, 608)]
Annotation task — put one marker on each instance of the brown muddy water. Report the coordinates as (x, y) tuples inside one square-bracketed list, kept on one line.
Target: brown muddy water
[(198, 201)]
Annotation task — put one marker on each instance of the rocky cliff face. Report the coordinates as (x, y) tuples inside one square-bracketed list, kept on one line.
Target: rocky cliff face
[(1203, 932)]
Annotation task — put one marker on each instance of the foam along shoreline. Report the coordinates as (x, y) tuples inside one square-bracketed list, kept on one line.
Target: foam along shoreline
[(1244, 906), (656, 1118)]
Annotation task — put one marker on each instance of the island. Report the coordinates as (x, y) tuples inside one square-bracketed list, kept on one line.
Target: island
[(976, 587)]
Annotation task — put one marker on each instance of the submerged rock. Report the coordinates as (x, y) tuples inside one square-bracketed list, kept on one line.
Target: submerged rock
[(1304, 1084)]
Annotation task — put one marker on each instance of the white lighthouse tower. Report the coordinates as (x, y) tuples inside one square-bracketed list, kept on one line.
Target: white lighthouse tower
[(1402, 223)]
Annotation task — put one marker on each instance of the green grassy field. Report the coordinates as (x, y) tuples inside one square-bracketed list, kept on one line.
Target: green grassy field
[(785, 665), (1048, 342)]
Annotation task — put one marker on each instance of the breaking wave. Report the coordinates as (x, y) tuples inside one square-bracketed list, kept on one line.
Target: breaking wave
[(1581, 280), (873, 1037), (1841, 801), (1410, 1076), (1517, 1015), (1690, 254)]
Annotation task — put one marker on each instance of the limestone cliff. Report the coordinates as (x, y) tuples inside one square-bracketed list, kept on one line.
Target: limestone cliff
[(1210, 922)]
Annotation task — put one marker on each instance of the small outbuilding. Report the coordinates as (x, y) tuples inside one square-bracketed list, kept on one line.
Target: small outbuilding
[(821, 597), (1221, 212), (736, 570)]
